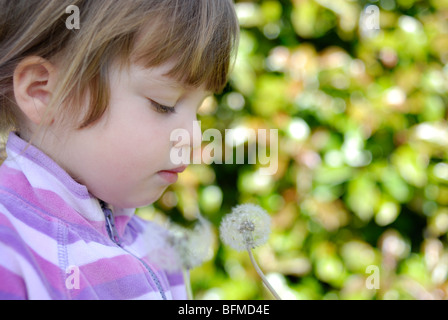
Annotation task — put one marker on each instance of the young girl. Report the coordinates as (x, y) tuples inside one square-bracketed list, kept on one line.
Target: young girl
[(89, 112)]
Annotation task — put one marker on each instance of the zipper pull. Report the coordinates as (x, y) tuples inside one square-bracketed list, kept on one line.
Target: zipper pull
[(110, 224)]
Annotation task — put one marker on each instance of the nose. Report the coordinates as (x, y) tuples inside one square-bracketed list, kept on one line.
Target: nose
[(189, 139)]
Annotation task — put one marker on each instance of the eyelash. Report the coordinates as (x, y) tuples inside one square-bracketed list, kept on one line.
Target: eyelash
[(161, 108)]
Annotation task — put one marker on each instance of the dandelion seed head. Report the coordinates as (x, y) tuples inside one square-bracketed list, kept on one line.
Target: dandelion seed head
[(247, 226), (193, 246), (176, 247)]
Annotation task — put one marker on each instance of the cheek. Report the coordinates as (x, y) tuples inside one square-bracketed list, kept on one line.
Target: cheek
[(138, 147), (133, 129), (146, 141)]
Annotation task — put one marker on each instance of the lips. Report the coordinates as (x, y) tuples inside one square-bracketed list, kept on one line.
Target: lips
[(171, 175), (176, 170)]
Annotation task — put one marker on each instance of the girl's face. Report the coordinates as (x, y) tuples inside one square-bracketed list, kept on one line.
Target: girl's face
[(123, 158)]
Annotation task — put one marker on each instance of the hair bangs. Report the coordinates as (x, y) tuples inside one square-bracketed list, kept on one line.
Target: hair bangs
[(199, 37)]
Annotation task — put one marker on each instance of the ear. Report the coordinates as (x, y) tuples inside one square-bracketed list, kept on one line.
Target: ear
[(34, 80)]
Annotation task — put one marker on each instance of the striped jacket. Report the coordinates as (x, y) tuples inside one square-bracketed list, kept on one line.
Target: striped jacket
[(59, 242)]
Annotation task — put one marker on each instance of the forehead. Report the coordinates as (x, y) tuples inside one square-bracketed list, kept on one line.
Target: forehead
[(160, 76)]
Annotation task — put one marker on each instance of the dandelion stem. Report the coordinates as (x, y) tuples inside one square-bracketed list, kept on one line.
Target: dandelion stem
[(187, 281), (260, 273)]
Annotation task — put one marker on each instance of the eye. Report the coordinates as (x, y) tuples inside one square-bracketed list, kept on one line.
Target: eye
[(161, 108)]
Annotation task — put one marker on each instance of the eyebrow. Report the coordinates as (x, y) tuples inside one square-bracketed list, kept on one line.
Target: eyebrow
[(164, 80)]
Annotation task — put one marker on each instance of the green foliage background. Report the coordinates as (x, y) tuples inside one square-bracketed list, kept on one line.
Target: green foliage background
[(362, 174)]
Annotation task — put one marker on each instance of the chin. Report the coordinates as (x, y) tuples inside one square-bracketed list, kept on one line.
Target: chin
[(138, 202)]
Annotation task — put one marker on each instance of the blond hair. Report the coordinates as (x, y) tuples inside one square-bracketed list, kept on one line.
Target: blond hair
[(198, 35)]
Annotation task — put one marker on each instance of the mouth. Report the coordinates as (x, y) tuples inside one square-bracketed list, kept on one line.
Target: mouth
[(176, 170), (171, 175)]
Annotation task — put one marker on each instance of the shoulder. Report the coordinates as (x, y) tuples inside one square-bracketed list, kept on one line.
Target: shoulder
[(9, 225), (13, 255), (27, 233), (24, 218), (16, 235), (28, 259), (11, 243), (18, 198)]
